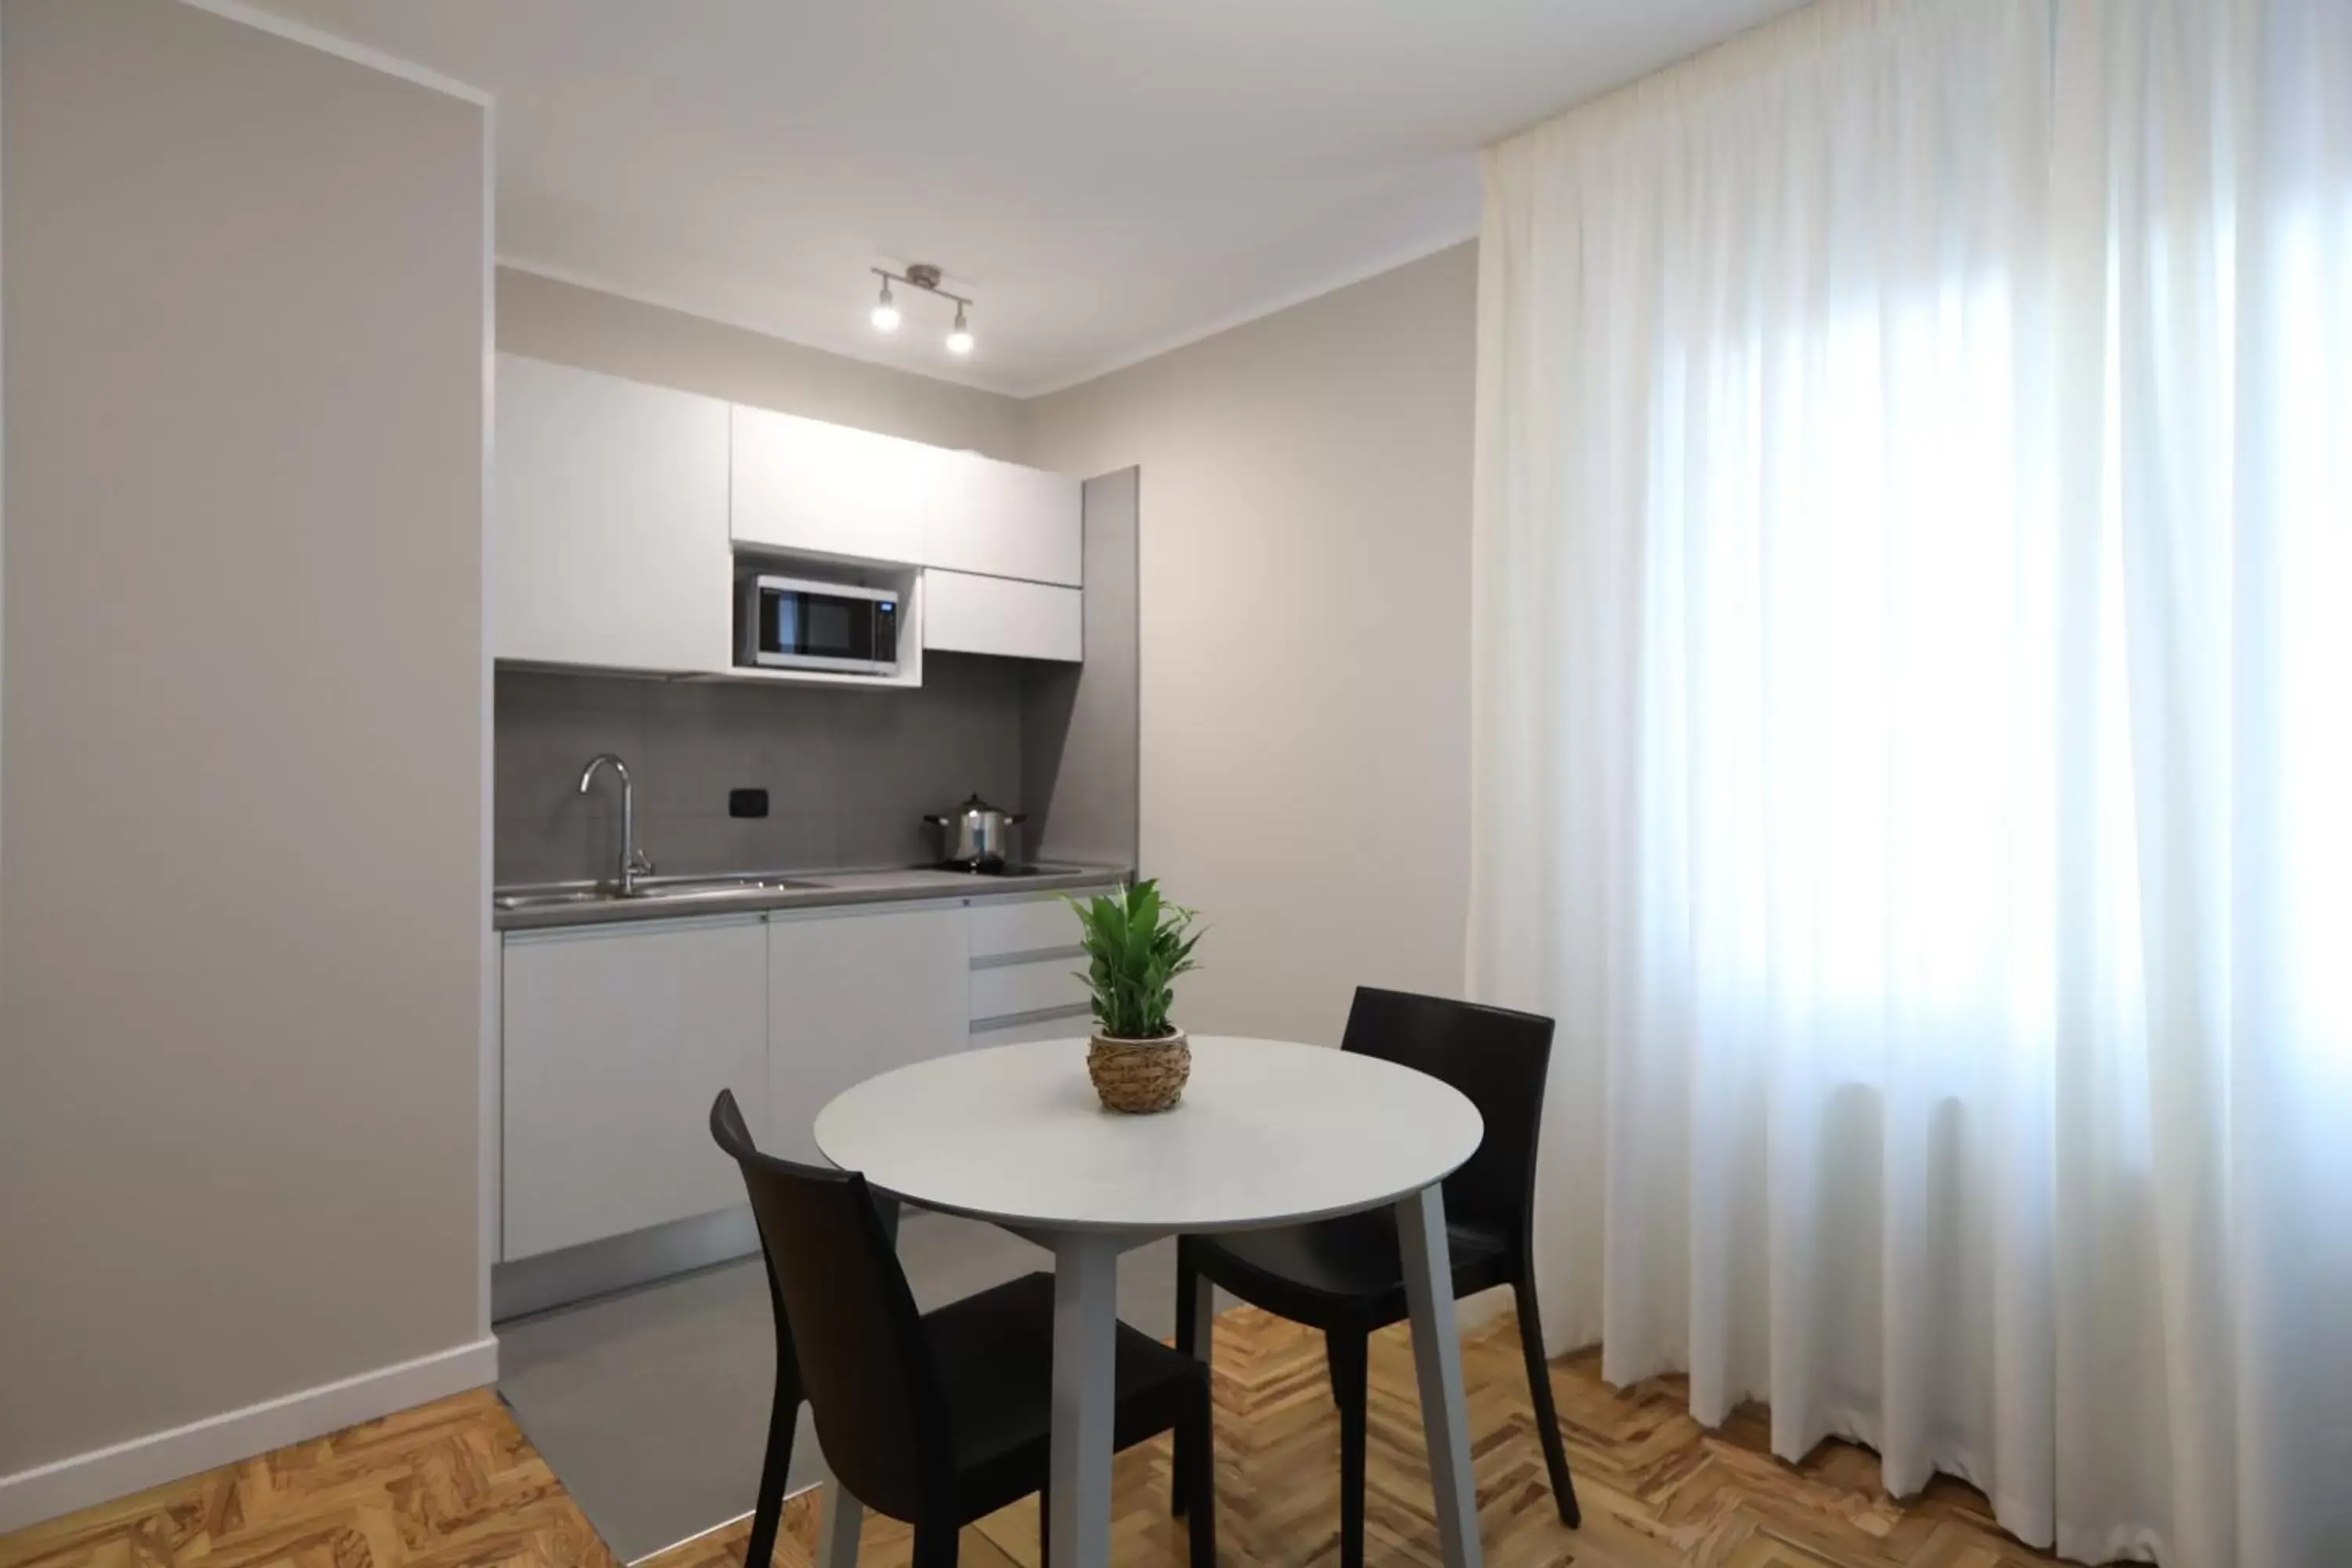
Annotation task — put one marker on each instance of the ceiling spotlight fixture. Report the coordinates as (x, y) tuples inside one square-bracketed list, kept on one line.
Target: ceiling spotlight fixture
[(922, 275)]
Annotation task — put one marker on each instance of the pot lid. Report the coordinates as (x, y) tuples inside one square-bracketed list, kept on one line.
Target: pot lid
[(977, 804)]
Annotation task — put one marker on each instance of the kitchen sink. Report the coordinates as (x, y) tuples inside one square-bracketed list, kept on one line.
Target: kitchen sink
[(552, 897), (722, 886), (651, 891)]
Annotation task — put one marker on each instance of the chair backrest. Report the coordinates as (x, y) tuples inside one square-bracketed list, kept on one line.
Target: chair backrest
[(865, 1364), (1499, 1059)]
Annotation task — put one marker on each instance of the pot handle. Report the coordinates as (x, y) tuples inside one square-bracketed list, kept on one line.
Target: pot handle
[(938, 821), (1016, 818)]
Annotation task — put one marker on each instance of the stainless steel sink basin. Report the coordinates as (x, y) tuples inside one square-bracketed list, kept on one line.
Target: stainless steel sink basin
[(720, 887), (653, 891), (550, 898)]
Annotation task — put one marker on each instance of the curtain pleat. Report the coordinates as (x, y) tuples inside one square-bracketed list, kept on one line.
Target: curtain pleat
[(1913, 742)]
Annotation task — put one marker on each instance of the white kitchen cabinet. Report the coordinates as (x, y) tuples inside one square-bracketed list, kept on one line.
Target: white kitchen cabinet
[(609, 543), (1043, 923), (1009, 990), (1002, 519), (851, 994), (1074, 1024), (809, 487), (1026, 967), (967, 614), (616, 1040)]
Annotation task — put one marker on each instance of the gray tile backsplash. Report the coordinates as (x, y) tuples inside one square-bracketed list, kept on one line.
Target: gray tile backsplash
[(849, 774)]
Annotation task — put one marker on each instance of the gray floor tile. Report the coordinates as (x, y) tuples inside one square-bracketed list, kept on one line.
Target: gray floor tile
[(652, 1406)]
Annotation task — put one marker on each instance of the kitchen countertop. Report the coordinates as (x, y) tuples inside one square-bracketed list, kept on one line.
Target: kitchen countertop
[(807, 889)]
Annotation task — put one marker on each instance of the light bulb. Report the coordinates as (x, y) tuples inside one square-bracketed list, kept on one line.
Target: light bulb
[(884, 315), (960, 339)]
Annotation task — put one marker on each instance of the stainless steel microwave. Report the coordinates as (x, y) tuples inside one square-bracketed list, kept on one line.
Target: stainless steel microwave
[(788, 622)]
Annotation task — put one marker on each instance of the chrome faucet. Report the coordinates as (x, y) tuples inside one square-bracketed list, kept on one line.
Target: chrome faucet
[(633, 863)]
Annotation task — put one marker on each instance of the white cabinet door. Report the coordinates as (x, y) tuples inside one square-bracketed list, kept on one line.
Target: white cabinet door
[(609, 536), (616, 1040), (825, 489), (964, 613), (1005, 520), (851, 995)]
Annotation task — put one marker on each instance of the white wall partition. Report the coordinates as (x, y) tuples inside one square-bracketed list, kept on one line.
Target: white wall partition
[(241, 989)]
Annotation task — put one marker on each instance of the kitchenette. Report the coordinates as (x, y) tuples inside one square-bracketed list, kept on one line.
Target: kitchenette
[(801, 735)]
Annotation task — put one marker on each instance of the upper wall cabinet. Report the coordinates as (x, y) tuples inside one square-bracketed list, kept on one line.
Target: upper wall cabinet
[(1004, 521), (965, 612), (620, 506), (826, 489), (609, 543)]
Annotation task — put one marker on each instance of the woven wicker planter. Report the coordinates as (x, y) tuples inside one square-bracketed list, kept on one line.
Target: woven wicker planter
[(1139, 1076)]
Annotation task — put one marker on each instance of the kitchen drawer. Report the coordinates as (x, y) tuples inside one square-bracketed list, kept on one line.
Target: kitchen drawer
[(1075, 1026), (1012, 988), (1027, 925)]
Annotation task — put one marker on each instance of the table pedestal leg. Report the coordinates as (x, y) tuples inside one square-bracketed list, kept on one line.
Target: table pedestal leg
[(843, 1516), (1437, 1362), (839, 1521), (1085, 1321)]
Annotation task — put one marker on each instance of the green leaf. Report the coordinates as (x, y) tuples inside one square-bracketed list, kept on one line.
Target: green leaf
[(1136, 944)]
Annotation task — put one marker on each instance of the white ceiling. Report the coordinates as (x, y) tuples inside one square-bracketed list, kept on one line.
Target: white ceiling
[(1107, 178)]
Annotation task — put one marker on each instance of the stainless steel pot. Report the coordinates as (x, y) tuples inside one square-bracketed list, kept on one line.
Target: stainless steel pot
[(976, 834)]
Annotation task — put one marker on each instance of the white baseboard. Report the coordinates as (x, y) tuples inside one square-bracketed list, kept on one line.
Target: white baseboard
[(65, 1485)]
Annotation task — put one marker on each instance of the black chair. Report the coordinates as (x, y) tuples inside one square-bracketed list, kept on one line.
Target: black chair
[(938, 1418), (1346, 1276)]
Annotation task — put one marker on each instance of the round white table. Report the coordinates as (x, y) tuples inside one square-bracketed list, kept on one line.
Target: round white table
[(1269, 1134)]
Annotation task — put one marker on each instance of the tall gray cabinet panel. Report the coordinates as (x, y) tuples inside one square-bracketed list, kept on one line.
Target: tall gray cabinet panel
[(1080, 767)]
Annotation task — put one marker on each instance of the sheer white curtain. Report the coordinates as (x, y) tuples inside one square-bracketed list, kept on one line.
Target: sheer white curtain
[(1914, 745)]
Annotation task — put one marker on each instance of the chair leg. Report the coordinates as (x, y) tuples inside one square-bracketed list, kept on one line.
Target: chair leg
[(1186, 1324), (935, 1545), (1349, 1356), (1196, 1317), (1044, 1525), (783, 1417), (1201, 1516), (1563, 1489)]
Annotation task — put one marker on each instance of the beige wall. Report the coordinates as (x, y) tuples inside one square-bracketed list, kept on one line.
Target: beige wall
[(1306, 637), (570, 325), (241, 880)]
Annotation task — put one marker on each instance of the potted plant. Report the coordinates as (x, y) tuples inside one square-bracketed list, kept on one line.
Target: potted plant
[(1136, 946)]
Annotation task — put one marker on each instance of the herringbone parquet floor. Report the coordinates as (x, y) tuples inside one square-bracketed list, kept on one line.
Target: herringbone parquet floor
[(455, 1485)]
